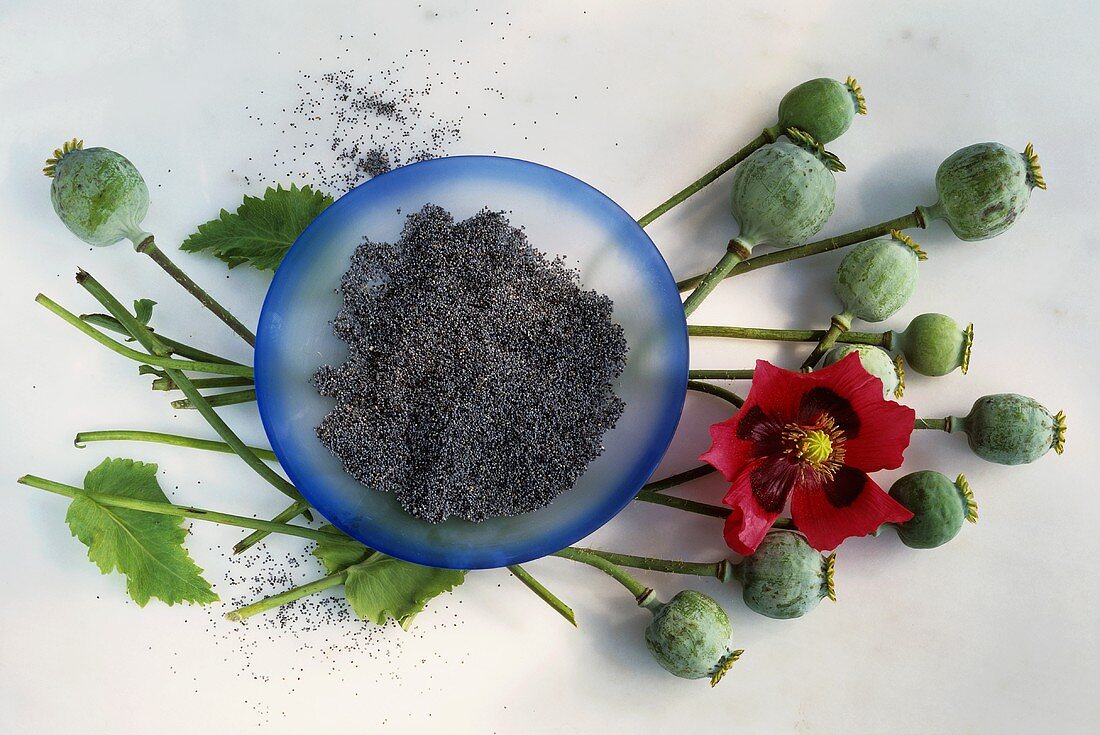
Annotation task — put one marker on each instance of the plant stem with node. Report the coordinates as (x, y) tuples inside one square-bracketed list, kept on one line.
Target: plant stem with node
[(840, 324), (221, 399), (878, 339), (157, 437), (290, 595), (228, 382), (158, 360), (709, 177), (289, 513), (939, 424), (106, 321), (179, 511), (679, 478), (544, 594), (691, 506), (914, 219), (736, 252), (720, 374), (150, 342), (714, 390), (667, 566), (644, 596), (148, 246)]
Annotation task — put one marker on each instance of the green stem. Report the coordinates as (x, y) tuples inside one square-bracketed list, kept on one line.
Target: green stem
[(220, 399), (703, 509), (290, 595), (879, 339), (720, 374), (544, 594), (107, 321), (840, 324), (149, 247), (288, 513), (710, 281), (709, 177), (179, 511), (726, 395), (642, 594), (678, 479), (149, 341), (157, 437), (905, 222), (164, 362), (691, 506), (940, 424), (229, 382), (668, 566)]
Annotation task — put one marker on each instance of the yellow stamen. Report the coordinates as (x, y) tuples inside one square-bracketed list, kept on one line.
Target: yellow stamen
[(830, 567), (820, 448)]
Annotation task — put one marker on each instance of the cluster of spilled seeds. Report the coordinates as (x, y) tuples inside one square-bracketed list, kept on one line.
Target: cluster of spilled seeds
[(480, 376), (317, 635), (348, 127)]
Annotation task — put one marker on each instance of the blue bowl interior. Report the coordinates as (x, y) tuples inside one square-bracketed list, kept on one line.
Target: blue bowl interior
[(562, 216)]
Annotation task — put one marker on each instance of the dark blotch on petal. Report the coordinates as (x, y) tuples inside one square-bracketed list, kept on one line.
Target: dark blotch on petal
[(845, 487), (821, 400), (758, 427), (771, 481)]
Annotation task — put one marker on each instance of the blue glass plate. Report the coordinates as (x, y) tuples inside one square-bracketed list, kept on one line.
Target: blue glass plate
[(562, 216)]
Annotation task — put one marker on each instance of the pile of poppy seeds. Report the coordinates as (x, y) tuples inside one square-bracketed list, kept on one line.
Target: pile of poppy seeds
[(480, 375)]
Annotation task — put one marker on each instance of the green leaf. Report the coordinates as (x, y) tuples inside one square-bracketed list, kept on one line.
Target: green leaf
[(383, 587), (143, 309), (146, 547), (341, 552), (261, 230)]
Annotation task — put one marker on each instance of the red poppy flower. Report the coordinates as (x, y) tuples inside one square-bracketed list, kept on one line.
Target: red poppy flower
[(810, 437)]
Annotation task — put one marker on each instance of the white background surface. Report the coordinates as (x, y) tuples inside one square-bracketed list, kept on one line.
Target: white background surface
[(994, 633)]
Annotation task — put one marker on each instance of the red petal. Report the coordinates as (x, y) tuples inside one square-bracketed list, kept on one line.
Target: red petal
[(727, 453), (884, 426), (826, 525), (777, 391), (748, 522)]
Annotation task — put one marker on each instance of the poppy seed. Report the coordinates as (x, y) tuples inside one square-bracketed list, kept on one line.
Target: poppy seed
[(480, 376)]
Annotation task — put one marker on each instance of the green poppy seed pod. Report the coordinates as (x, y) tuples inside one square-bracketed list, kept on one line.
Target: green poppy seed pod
[(824, 108), (785, 577), (784, 192), (878, 277), (939, 508), (690, 637), (1008, 428), (983, 188), (97, 193), (877, 362), (934, 344)]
